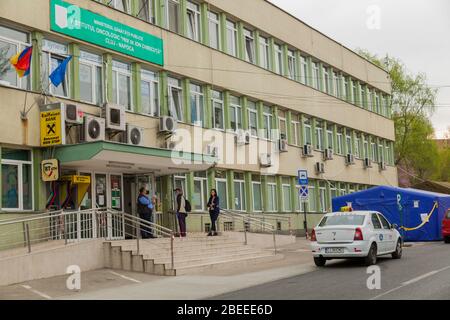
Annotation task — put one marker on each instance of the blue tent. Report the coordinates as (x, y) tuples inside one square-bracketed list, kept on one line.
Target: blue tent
[(404, 207)]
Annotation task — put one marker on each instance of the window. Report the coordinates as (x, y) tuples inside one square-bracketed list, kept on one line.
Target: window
[(193, 21), (345, 95), (249, 46), (200, 191), (369, 100), (239, 192), (278, 59), (375, 221), (333, 191), (122, 84), (17, 179), (197, 108), (257, 193), (218, 115), (319, 135), (316, 76), (175, 99), (267, 123), (292, 65), (222, 191), (374, 152), (180, 182), (12, 42), (282, 127), (380, 153), (303, 70), (122, 5), (252, 118), (173, 15), (340, 142), (377, 103), (330, 137), (308, 131), (312, 206), (363, 95), (214, 30), (149, 92), (322, 198), (348, 141), (147, 10), (296, 132), (53, 54), (231, 38), (337, 85), (327, 80), (384, 222), (91, 89), (286, 188), (358, 146), (235, 113), (355, 93), (264, 51), (388, 153), (272, 195), (366, 149)]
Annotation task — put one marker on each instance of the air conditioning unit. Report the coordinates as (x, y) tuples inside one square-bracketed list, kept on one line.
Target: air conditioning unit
[(114, 117), (212, 150), (171, 145), (135, 135), (242, 137), (382, 166), (328, 154), (73, 114), (367, 163), (93, 129), (320, 167), (265, 160), (283, 145), (167, 124), (350, 159), (307, 150)]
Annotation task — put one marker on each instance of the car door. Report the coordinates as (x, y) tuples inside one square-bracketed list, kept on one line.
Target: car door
[(379, 232), (389, 238)]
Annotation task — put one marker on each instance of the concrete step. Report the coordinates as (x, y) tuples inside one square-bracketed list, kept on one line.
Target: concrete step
[(177, 246), (185, 250)]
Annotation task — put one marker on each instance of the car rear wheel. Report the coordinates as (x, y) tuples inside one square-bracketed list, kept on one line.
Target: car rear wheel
[(447, 239), (397, 254), (320, 261), (371, 258)]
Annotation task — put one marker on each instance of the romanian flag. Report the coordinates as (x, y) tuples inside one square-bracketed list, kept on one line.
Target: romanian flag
[(22, 62)]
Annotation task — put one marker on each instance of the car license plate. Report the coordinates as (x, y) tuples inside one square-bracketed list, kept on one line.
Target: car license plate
[(334, 250)]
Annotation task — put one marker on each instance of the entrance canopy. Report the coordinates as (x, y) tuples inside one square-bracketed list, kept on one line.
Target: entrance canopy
[(112, 156)]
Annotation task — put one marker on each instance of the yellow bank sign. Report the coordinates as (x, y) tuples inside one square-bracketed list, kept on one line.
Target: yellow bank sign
[(52, 130)]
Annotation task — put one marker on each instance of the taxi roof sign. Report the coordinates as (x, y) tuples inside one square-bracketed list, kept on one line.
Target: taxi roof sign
[(346, 209)]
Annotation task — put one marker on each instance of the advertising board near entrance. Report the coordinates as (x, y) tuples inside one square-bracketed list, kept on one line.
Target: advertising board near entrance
[(52, 130), (88, 26), (50, 170)]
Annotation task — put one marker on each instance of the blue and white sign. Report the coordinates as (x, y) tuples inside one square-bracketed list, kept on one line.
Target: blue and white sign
[(303, 192), (303, 177)]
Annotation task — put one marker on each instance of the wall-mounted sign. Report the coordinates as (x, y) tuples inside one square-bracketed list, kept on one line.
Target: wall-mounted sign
[(52, 131), (50, 170), (88, 26)]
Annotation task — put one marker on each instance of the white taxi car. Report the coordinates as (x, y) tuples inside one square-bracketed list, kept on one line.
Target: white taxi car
[(355, 234)]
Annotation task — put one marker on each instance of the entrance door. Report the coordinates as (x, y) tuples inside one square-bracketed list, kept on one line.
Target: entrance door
[(101, 190)]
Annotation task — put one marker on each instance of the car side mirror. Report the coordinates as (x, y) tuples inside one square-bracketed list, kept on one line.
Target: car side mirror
[(394, 226)]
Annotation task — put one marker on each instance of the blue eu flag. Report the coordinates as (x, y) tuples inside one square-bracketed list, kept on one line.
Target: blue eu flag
[(59, 73)]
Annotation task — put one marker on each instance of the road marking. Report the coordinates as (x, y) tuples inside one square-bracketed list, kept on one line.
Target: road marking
[(125, 277), (407, 283), (43, 295)]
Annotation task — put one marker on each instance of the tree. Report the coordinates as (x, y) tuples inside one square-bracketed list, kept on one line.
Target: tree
[(413, 102)]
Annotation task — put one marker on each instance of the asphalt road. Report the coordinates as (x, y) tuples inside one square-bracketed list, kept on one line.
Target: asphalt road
[(422, 273)]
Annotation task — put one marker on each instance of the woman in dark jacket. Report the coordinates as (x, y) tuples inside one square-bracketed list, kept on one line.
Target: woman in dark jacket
[(214, 210)]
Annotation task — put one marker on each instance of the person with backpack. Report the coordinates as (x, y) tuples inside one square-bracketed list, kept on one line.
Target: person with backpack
[(145, 210), (183, 207), (214, 211)]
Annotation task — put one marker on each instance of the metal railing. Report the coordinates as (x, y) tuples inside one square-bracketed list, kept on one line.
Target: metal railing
[(74, 226)]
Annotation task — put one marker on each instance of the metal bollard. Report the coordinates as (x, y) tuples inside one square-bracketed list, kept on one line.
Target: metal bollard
[(27, 232)]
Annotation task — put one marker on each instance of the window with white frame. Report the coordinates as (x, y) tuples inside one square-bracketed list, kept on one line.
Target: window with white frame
[(173, 11), (218, 110), (197, 104), (252, 118), (363, 95), (231, 38), (257, 193), (180, 182), (17, 179), (222, 192), (121, 86), (330, 137), (327, 79), (374, 150), (333, 191), (342, 190), (147, 10), (307, 136), (91, 79), (388, 153), (348, 141), (358, 146), (377, 103), (339, 141), (282, 127), (122, 5), (296, 132), (366, 149), (312, 198), (292, 65), (337, 85), (235, 113), (193, 21), (346, 89), (249, 46), (316, 75), (380, 153), (12, 42), (175, 98), (319, 135), (149, 92), (214, 30), (272, 195), (355, 93), (264, 53), (286, 191), (278, 58), (239, 192), (53, 54), (200, 193), (322, 198), (267, 122), (303, 70)]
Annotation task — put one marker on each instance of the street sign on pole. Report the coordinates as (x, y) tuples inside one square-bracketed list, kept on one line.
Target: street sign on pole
[(303, 177), (303, 194)]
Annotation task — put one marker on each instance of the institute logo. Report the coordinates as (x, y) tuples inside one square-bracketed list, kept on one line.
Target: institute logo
[(67, 17)]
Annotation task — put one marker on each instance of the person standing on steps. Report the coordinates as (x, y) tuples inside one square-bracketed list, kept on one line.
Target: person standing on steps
[(183, 207), (214, 211), (145, 210)]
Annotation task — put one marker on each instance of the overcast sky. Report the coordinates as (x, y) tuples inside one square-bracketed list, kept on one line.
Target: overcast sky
[(416, 31)]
